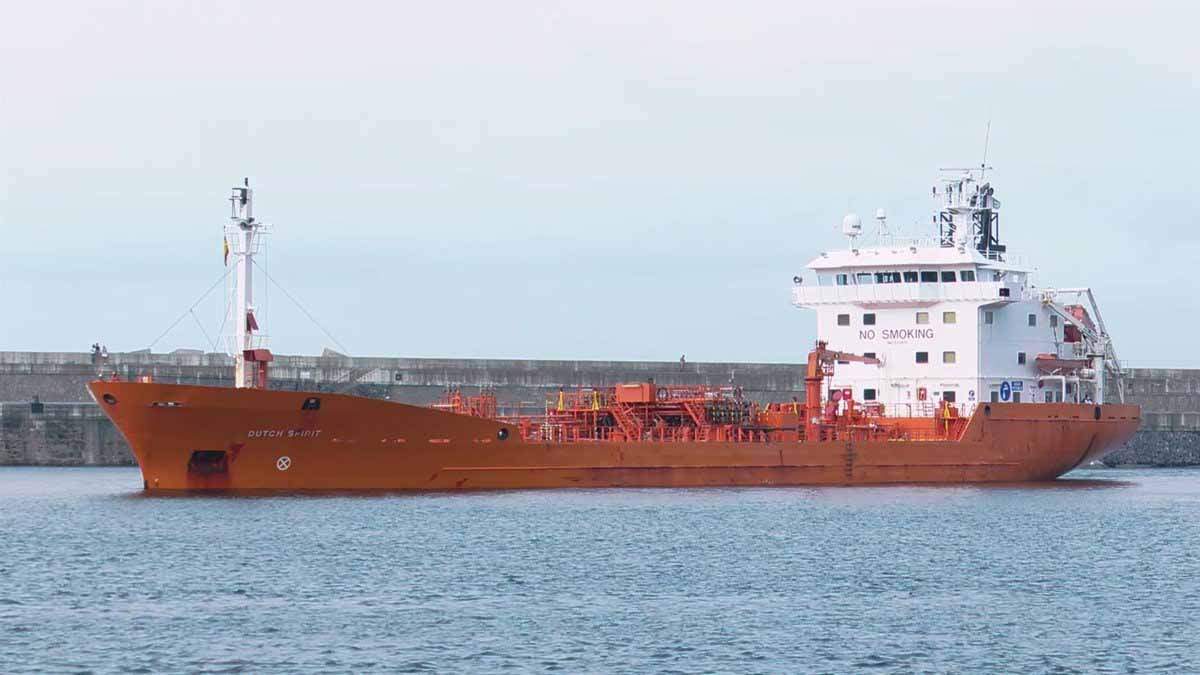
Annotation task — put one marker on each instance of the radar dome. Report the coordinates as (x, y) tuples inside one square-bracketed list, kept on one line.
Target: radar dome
[(851, 225)]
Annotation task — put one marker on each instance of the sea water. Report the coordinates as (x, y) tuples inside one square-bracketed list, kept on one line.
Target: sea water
[(1097, 572)]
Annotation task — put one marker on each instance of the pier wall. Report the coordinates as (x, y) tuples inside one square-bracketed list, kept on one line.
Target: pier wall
[(68, 428)]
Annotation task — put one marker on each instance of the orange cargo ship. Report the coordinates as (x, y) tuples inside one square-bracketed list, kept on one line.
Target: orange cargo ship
[(250, 438)]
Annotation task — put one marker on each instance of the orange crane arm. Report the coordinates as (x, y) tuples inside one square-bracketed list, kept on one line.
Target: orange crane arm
[(820, 356)]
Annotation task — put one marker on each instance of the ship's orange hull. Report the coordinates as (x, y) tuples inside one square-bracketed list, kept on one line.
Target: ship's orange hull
[(265, 441)]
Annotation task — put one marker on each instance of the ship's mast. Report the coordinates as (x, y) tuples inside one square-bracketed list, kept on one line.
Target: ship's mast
[(968, 212), (243, 237)]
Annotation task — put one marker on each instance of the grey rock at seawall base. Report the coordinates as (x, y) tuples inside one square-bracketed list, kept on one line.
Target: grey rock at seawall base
[(1159, 448)]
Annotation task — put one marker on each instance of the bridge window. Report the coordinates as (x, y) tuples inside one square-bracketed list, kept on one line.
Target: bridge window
[(864, 278), (922, 318), (843, 280), (868, 394), (868, 319), (910, 277), (967, 275), (1020, 358), (843, 319), (1033, 319), (928, 277), (887, 277), (948, 277), (922, 357), (949, 317), (949, 357)]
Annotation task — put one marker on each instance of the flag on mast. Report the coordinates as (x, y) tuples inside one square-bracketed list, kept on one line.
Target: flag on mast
[(225, 244)]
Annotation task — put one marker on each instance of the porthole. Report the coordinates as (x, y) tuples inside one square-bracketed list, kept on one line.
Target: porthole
[(110, 399), (502, 434)]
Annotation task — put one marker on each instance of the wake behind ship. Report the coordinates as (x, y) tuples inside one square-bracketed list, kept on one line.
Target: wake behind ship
[(939, 362)]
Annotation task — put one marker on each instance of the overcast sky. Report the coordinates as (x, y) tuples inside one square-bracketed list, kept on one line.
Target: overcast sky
[(619, 179)]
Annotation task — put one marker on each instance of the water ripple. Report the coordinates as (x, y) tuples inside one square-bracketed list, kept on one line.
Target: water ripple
[(1096, 573)]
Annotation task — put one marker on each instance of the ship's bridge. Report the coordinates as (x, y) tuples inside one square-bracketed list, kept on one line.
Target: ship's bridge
[(908, 275)]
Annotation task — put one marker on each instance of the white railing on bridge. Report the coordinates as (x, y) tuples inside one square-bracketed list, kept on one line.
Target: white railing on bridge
[(882, 294)]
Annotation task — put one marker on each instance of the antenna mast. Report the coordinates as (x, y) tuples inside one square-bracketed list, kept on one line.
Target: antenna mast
[(987, 136)]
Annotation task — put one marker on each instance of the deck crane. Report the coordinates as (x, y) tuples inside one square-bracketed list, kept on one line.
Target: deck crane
[(820, 365)]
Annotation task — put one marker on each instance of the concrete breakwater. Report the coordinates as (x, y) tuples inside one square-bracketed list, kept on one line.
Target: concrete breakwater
[(66, 428)]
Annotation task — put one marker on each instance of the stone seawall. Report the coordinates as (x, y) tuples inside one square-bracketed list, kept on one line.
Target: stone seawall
[(61, 376), (59, 434), (69, 428)]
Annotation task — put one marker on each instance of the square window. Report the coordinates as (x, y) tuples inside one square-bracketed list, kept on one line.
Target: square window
[(869, 355), (949, 317), (1033, 319), (949, 396), (929, 277), (1054, 321), (1020, 358), (967, 275), (949, 357), (910, 277), (922, 318), (868, 394), (922, 357), (989, 318), (843, 319), (948, 277), (995, 396), (1016, 397), (868, 319)]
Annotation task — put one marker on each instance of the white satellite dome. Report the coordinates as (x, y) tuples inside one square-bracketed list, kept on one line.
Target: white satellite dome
[(851, 225)]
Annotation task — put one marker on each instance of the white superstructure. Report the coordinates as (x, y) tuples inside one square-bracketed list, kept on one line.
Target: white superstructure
[(950, 318)]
